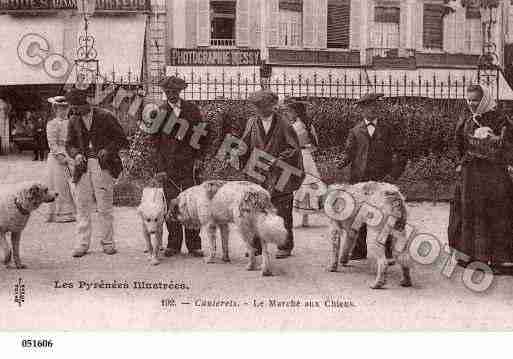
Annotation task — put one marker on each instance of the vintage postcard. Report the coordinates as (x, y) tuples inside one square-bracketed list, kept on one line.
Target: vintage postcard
[(256, 165)]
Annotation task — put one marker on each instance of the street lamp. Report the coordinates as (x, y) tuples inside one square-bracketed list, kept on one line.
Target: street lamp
[(87, 67)]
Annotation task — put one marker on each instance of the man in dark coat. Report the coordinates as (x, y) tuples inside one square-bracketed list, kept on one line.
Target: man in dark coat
[(94, 140), (274, 135), (369, 151), (177, 157), (40, 140)]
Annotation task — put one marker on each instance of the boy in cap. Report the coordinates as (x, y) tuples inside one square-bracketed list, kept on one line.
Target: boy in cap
[(94, 139), (177, 159), (369, 151), (274, 135)]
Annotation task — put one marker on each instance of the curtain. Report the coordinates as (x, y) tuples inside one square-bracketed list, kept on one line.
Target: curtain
[(290, 28)]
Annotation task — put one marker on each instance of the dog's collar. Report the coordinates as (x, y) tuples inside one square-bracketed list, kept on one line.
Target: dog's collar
[(22, 210)]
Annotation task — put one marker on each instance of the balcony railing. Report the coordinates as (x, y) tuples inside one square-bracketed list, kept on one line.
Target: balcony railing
[(222, 42)]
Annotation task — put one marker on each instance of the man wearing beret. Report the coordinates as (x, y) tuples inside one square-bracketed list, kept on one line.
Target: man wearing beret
[(93, 141), (274, 135), (177, 158), (369, 150)]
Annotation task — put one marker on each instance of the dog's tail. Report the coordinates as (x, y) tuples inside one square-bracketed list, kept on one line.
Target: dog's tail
[(270, 227)]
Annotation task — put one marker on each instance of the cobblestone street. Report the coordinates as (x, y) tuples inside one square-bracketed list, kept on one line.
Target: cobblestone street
[(434, 302)]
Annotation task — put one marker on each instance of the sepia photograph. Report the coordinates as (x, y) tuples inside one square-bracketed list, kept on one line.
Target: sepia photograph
[(256, 165)]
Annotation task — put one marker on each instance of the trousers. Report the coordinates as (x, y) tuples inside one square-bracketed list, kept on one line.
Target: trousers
[(172, 188), (100, 184)]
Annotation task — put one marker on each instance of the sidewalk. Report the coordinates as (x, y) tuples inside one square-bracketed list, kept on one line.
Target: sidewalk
[(435, 302)]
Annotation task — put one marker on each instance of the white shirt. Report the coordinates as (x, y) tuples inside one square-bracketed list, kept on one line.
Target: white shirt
[(371, 126), (266, 123), (88, 120), (177, 107)]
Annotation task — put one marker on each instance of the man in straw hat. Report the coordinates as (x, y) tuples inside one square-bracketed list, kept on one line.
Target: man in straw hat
[(274, 135), (93, 141), (369, 151), (177, 158)]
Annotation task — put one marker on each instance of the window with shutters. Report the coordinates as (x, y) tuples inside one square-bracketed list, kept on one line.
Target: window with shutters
[(339, 14), (473, 35), (290, 28), (222, 17), (385, 31), (433, 26)]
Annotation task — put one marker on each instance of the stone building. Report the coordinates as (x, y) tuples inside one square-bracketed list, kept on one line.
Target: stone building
[(352, 41)]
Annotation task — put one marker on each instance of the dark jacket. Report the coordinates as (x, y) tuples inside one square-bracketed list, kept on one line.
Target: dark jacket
[(498, 122), (370, 157), (105, 133), (40, 139), (175, 156), (281, 142)]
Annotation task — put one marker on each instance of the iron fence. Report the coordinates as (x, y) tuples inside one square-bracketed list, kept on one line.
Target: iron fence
[(239, 83)]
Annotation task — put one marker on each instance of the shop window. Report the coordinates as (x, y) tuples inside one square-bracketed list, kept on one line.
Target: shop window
[(339, 14), (222, 15)]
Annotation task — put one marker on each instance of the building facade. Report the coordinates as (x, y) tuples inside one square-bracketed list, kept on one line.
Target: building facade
[(369, 42)]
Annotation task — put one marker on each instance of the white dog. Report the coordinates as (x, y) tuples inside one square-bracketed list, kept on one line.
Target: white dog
[(152, 211), (217, 204), (386, 198), (16, 205)]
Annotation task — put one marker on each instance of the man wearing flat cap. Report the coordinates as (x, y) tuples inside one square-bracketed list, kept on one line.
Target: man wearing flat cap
[(94, 140), (369, 151), (274, 135), (177, 158)]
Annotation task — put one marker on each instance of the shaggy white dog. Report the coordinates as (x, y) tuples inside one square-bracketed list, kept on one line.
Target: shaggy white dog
[(217, 204), (390, 202), (16, 205), (152, 211)]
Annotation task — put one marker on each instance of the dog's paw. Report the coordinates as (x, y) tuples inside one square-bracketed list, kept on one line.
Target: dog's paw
[(251, 267), (7, 259), (378, 285), (154, 261), (147, 250), (267, 273), (210, 260), (332, 268), (226, 259), (405, 283), (17, 266)]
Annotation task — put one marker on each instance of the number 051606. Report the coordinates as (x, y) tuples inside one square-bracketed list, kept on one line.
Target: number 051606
[(37, 343)]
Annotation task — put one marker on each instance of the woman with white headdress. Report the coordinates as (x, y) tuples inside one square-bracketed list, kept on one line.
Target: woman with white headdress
[(59, 173), (481, 215)]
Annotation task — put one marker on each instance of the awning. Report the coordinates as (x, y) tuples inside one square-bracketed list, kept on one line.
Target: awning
[(45, 31), (120, 46), (119, 42)]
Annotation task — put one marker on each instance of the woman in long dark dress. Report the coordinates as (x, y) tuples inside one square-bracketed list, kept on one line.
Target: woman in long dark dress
[(481, 217)]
